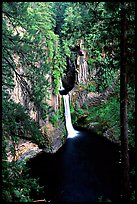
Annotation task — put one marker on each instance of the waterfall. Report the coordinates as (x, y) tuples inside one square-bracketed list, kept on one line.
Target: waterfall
[(71, 131)]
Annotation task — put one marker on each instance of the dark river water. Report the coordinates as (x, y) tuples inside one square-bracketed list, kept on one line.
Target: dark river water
[(85, 168)]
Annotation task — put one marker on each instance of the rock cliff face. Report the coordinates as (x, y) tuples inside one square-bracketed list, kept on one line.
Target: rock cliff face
[(82, 66), (76, 78), (82, 96), (68, 80), (53, 135), (78, 74)]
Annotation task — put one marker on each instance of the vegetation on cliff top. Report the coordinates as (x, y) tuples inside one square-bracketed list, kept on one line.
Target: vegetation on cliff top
[(37, 37)]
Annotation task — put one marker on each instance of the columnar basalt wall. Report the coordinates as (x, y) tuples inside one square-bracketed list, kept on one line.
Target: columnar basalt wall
[(20, 95), (82, 66)]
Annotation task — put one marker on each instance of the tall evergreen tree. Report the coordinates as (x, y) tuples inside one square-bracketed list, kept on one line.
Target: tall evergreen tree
[(123, 108)]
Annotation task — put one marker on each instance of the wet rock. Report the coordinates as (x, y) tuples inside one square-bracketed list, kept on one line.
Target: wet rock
[(68, 80)]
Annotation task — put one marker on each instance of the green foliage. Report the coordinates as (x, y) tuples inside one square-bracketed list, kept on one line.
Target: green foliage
[(59, 64), (17, 185), (17, 124), (99, 24), (54, 119), (108, 116), (56, 116), (34, 46), (131, 116), (59, 10), (91, 87), (102, 199), (74, 114), (133, 196), (80, 111), (28, 44), (36, 37)]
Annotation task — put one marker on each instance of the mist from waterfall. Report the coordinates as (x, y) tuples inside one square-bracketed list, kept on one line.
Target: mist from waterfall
[(70, 130)]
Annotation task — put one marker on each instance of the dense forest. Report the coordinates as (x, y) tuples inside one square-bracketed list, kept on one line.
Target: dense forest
[(41, 41)]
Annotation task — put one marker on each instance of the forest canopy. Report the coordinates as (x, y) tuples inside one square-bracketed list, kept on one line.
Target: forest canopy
[(36, 39)]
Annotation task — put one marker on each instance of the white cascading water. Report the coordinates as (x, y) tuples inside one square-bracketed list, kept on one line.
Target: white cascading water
[(71, 131)]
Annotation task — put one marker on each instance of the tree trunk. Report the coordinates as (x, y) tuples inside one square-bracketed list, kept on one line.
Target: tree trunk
[(123, 109)]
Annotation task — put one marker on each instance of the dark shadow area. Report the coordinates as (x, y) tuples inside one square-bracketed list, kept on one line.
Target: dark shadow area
[(83, 169)]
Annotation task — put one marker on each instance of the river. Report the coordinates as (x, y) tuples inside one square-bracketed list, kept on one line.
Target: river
[(84, 169)]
